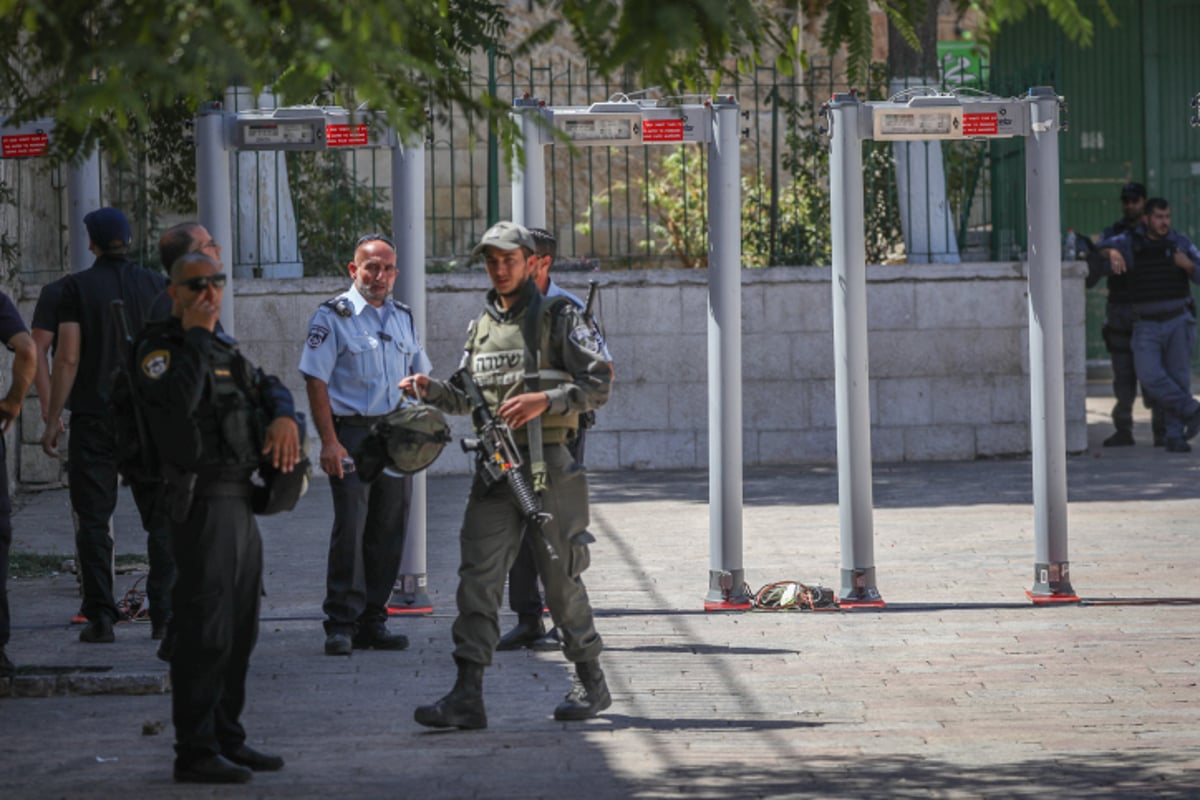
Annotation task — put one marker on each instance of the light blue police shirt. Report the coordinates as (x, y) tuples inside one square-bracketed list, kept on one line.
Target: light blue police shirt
[(362, 356)]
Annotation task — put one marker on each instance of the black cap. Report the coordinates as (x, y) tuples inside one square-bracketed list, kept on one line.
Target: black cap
[(1132, 190), (108, 228)]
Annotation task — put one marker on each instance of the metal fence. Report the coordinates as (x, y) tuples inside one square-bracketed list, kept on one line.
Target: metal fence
[(623, 208)]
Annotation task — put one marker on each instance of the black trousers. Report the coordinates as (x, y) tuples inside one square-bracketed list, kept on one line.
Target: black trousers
[(5, 544), (366, 543), (217, 600), (1118, 335), (524, 597), (92, 473)]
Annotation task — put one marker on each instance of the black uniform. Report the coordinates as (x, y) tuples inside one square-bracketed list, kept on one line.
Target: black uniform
[(91, 450), (207, 407), (1118, 333), (45, 311)]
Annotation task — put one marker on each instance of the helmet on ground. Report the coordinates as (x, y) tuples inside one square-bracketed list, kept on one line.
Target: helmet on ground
[(407, 440)]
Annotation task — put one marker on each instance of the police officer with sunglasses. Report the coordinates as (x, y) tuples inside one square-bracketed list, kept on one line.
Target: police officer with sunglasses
[(205, 405)]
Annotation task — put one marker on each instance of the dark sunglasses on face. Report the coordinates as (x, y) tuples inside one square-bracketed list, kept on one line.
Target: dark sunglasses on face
[(201, 283)]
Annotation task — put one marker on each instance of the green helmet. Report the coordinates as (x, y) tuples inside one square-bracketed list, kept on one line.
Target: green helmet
[(276, 491), (407, 440)]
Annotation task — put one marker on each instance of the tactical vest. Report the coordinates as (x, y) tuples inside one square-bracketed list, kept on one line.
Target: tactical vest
[(230, 422), (496, 357), (1154, 277)]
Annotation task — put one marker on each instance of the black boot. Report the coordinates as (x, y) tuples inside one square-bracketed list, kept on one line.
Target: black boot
[(463, 707), (528, 630), (588, 696)]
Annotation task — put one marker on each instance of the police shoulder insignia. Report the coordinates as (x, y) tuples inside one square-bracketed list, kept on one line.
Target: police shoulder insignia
[(155, 364), (586, 337), (316, 336)]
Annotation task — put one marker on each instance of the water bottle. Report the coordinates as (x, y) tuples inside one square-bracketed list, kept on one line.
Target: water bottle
[(1069, 253)]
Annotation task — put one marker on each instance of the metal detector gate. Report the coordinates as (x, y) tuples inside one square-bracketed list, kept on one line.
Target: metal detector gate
[(32, 140), (628, 124), (930, 118), (219, 133)]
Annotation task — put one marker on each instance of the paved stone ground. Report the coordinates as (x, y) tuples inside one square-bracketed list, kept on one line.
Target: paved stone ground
[(959, 688)]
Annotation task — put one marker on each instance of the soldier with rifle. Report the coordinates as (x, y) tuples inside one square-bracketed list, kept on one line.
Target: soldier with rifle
[(531, 367)]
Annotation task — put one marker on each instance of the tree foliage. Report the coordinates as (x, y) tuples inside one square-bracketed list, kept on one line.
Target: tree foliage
[(96, 67), (848, 22)]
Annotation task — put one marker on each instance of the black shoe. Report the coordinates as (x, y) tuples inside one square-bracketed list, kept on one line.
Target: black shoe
[(529, 629), (462, 707), (166, 648), (212, 769), (246, 756), (589, 694), (338, 644), (97, 631), (1119, 439), (7, 668), (1178, 446), (377, 637), (550, 642), (1192, 425)]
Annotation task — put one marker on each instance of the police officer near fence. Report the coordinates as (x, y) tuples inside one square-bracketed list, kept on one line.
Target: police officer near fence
[(87, 352), (215, 420), (360, 345), (1161, 264), (539, 366), (1118, 326)]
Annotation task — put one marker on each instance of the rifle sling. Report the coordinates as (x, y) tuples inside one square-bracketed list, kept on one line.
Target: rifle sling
[(531, 333)]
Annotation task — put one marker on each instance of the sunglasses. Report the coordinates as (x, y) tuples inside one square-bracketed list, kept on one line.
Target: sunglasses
[(201, 283), (374, 237)]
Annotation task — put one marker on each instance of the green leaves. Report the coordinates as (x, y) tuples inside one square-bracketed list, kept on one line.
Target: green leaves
[(96, 72)]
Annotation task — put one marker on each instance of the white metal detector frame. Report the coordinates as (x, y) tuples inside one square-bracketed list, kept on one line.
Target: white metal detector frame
[(944, 117), (32, 140), (219, 133), (626, 123)]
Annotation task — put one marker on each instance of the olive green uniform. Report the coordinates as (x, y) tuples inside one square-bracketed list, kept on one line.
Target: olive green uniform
[(576, 378)]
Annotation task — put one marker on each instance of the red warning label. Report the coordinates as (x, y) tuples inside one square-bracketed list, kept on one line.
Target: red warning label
[(23, 145), (662, 130), (346, 135), (980, 125)]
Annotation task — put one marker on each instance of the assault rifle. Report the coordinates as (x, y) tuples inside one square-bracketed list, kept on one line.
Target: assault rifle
[(499, 459), (135, 449)]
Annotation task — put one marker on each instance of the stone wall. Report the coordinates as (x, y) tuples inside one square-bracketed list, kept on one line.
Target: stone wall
[(949, 361)]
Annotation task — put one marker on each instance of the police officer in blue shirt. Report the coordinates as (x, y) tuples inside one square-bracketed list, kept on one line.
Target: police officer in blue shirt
[(1118, 327), (1161, 265), (360, 345)]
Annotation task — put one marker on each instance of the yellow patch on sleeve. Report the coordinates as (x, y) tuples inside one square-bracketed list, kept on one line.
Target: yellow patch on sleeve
[(155, 364)]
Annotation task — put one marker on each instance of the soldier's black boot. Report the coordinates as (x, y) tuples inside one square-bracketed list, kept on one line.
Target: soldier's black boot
[(462, 707), (588, 696), (527, 631)]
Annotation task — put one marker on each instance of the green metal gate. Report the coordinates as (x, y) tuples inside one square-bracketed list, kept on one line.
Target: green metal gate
[(1127, 97)]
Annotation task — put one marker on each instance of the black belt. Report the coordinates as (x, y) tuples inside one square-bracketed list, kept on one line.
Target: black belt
[(1163, 316), (358, 420)]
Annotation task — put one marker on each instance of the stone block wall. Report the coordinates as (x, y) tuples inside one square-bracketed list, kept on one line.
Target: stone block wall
[(949, 361)]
